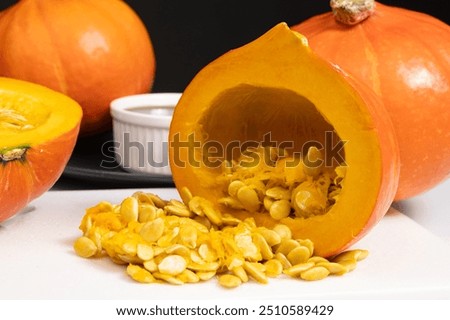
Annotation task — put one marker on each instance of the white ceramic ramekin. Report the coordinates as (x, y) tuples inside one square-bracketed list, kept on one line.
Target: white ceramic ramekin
[(140, 131)]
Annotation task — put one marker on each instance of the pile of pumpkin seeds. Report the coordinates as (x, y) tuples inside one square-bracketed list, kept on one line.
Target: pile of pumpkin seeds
[(189, 241)]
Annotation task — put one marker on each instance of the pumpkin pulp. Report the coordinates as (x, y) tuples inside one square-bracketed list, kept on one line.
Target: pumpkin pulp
[(38, 131), (275, 89), (31, 114)]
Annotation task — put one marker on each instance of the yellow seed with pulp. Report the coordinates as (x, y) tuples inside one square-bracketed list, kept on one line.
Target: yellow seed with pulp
[(273, 267), (297, 269), (153, 230), (85, 247), (140, 274), (280, 209), (283, 231), (229, 281), (315, 273), (249, 198), (129, 209), (298, 255)]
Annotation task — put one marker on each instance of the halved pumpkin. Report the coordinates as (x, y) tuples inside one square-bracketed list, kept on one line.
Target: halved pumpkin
[(277, 87), (38, 131)]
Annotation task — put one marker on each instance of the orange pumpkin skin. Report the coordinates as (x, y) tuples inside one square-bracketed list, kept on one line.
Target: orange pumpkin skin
[(23, 181), (405, 57), (91, 50), (46, 138)]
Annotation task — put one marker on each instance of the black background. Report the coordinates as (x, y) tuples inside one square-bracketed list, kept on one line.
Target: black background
[(188, 34)]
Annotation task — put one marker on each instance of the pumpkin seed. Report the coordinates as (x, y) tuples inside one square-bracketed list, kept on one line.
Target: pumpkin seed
[(204, 267), (188, 236), (249, 198), (350, 265), (187, 276), (129, 209), (157, 201), (151, 231), (333, 267), (280, 209), (167, 278), (213, 215), (308, 244), (177, 210), (283, 260), (231, 203), (147, 212), (144, 251), (229, 281), (234, 187), (151, 265), (287, 246), (240, 272), (272, 238), (185, 195), (298, 255), (85, 247), (172, 265), (315, 273), (253, 270), (205, 275), (283, 231), (297, 269), (263, 246), (195, 205), (140, 274), (317, 259), (278, 193), (273, 267), (178, 249), (312, 163), (267, 203), (356, 255)]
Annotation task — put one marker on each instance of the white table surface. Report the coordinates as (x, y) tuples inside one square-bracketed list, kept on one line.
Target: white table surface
[(409, 257)]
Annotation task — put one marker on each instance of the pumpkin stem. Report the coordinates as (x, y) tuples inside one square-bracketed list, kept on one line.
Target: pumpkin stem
[(13, 154), (351, 12)]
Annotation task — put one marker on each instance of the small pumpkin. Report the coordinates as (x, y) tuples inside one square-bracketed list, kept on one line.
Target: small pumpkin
[(404, 56), (92, 51), (38, 131), (276, 86)]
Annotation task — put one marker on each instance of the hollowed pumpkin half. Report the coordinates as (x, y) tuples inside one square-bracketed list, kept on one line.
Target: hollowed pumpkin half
[(276, 87), (38, 131)]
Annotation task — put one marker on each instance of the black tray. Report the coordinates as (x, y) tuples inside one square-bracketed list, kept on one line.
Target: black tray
[(92, 165)]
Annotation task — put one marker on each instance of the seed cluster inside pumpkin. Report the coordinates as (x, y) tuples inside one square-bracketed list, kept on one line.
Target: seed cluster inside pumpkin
[(21, 113), (270, 180)]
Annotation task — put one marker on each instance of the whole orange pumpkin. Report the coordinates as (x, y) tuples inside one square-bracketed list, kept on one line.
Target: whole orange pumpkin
[(91, 50), (405, 57)]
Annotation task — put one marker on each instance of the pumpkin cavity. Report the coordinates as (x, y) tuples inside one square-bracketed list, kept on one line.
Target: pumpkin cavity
[(277, 153), (20, 113)]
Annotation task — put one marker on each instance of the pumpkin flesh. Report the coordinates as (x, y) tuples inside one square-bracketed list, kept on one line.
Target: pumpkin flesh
[(38, 131), (275, 85)]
